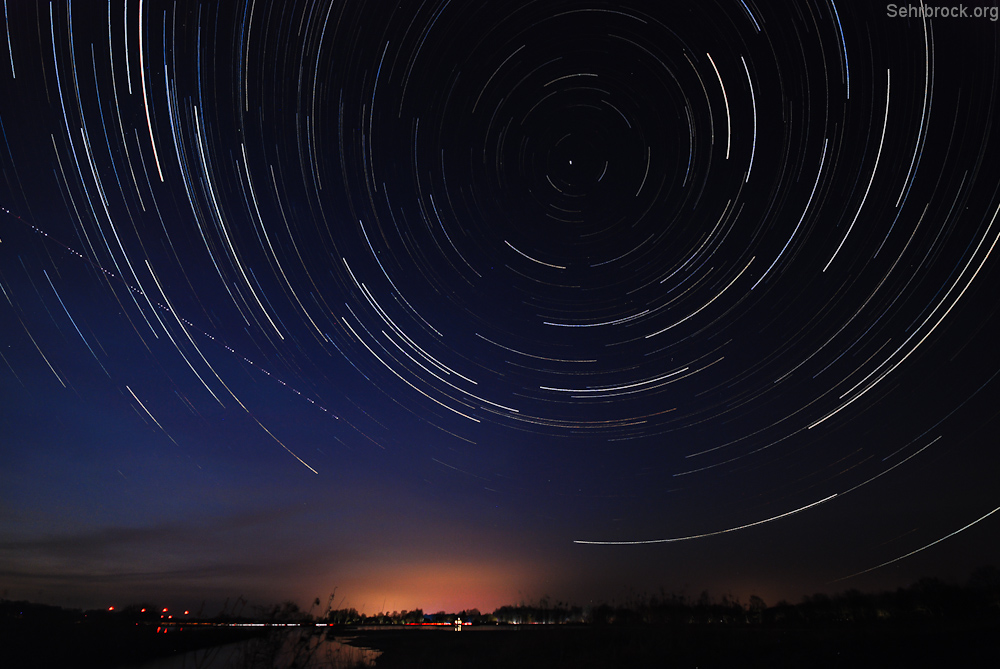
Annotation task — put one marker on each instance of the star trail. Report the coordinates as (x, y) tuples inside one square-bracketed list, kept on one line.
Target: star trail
[(453, 304)]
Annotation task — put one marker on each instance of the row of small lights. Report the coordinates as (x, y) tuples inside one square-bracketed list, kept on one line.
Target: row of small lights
[(163, 614)]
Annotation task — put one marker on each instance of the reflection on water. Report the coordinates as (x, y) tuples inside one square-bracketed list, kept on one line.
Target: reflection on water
[(307, 648)]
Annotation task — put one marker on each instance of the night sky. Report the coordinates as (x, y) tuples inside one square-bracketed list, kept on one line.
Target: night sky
[(459, 304)]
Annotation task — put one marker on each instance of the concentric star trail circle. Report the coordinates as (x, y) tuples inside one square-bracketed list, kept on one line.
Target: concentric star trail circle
[(675, 272)]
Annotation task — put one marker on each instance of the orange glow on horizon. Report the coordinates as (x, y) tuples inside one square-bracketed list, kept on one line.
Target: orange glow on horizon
[(436, 586)]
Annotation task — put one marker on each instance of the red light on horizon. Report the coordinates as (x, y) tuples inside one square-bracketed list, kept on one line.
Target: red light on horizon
[(111, 608)]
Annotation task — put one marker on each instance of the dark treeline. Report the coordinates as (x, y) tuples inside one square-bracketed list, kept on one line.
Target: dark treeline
[(928, 599)]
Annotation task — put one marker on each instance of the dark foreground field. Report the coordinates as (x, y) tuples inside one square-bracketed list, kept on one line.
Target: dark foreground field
[(965, 645), (28, 645)]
